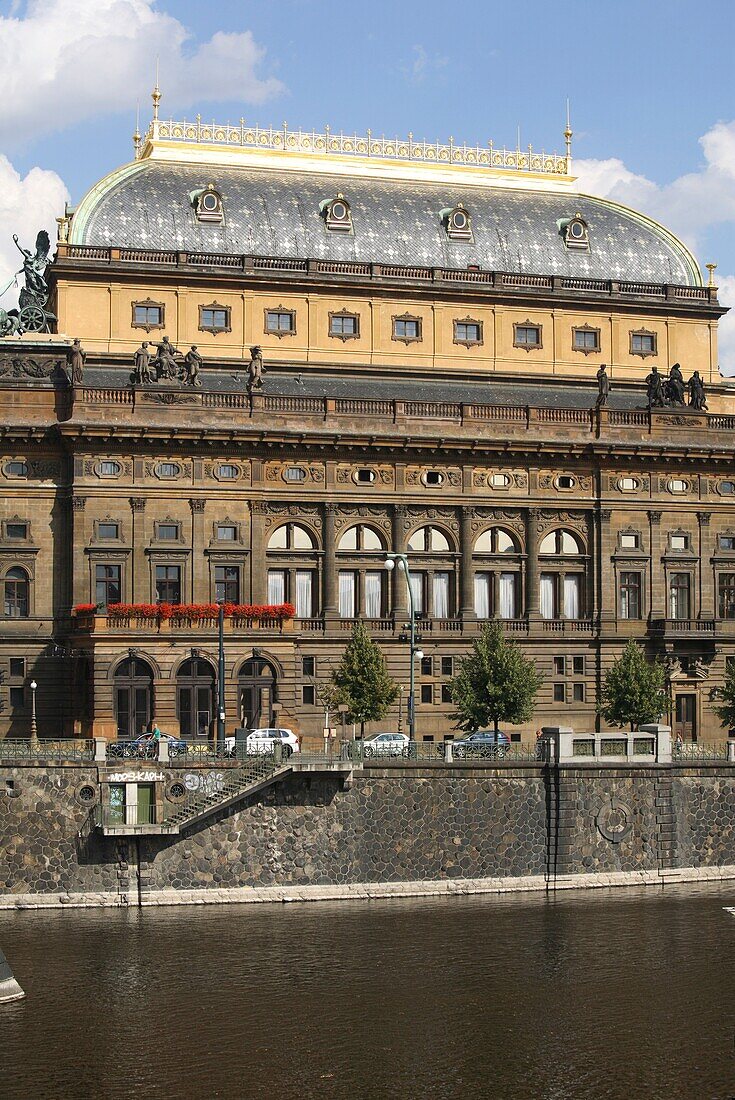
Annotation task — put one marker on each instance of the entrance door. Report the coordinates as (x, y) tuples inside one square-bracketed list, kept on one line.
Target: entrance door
[(133, 697), (146, 804), (196, 698), (257, 693), (685, 724)]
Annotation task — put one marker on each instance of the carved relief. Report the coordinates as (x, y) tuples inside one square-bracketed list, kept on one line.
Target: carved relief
[(578, 520), (275, 472), (376, 517), (414, 516), (483, 479), (549, 480), (415, 476), (275, 513), (491, 518), (26, 366)]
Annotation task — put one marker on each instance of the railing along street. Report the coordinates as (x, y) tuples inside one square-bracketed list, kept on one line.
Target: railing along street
[(56, 751)]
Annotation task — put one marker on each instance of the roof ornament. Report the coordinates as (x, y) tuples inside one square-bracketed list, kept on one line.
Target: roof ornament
[(711, 268), (568, 133), (156, 96), (136, 136)]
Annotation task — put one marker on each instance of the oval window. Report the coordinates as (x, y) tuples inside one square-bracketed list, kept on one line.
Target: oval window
[(433, 478), (109, 469), (210, 202), (339, 211), (228, 471), (565, 481), (16, 469), (576, 229), (168, 469), (677, 485), (365, 476), (294, 473), (459, 219), (727, 488), (500, 481), (628, 484)]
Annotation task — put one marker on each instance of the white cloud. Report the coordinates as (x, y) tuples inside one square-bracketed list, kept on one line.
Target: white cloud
[(27, 204), (69, 60), (422, 65)]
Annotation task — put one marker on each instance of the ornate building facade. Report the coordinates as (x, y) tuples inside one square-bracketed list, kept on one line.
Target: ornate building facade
[(433, 321)]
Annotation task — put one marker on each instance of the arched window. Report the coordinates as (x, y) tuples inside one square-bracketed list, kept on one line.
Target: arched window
[(361, 537), (133, 697), (195, 698), (17, 593), (562, 543), (498, 589), (561, 585), (428, 540), (291, 536), (257, 684)]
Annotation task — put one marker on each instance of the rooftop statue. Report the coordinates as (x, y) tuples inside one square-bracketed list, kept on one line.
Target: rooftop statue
[(603, 386), (165, 363), (192, 366), (674, 386), (256, 370), (697, 393), (655, 390), (32, 315)]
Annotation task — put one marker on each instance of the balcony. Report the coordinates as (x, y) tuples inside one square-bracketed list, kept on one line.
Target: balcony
[(139, 624), (701, 629)]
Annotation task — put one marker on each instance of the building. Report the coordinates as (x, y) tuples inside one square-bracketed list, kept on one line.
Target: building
[(432, 319)]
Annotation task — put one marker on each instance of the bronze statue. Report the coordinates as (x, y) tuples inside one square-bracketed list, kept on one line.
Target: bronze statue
[(78, 359), (256, 370), (142, 372), (32, 315), (603, 386), (697, 394), (34, 266), (675, 386), (193, 363), (165, 360), (655, 390)]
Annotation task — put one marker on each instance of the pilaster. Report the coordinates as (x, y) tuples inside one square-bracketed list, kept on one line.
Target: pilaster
[(466, 587), (139, 583)]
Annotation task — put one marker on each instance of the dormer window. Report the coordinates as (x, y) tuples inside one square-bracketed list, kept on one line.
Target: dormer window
[(576, 233), (208, 205), (337, 214), (457, 223)]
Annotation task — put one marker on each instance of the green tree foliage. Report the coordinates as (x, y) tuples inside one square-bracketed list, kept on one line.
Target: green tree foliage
[(362, 679), (634, 690), (495, 683), (726, 710)]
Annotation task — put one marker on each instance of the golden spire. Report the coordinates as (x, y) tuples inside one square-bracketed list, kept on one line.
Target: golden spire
[(136, 135), (711, 268), (568, 141), (156, 96)]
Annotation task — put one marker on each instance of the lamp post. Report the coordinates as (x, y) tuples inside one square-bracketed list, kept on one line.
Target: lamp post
[(221, 673), (401, 560), (34, 727)]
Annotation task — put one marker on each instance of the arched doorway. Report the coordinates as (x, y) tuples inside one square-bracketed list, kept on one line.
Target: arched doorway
[(257, 683), (195, 698), (133, 697)]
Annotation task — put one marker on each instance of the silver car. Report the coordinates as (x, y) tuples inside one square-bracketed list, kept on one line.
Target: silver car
[(386, 744)]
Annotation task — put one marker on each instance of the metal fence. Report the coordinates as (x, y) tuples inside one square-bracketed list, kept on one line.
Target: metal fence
[(56, 751), (686, 751)]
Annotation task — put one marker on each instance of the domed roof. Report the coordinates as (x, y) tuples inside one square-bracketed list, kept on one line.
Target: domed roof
[(269, 212)]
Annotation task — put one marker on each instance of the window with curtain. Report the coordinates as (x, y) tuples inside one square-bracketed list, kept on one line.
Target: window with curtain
[(482, 595), (507, 596), (277, 586), (679, 596), (441, 595), (304, 588), (726, 583), (547, 594), (347, 595), (17, 593), (417, 589), (630, 595), (373, 594), (572, 591)]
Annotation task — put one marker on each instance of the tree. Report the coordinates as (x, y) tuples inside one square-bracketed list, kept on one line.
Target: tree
[(634, 690), (495, 683), (362, 679), (726, 710)]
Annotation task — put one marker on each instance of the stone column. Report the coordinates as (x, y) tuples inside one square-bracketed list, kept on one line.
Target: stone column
[(138, 589), (532, 570), (606, 594), (80, 568), (199, 581), (400, 595), (657, 609), (258, 564), (329, 566), (467, 576), (707, 593)]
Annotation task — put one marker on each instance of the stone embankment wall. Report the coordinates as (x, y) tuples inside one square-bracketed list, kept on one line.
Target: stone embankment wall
[(390, 827)]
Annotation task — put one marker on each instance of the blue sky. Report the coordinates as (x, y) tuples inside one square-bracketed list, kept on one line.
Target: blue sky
[(647, 80)]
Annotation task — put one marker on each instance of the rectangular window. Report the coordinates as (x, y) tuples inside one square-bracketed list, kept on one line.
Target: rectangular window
[(629, 542), (373, 594), (559, 693), (308, 695), (578, 693), (347, 594), (214, 319), (527, 336), (441, 595), (578, 666), (643, 343), (17, 697), (586, 339), (108, 531), (304, 594), (447, 666), (147, 316), (679, 602), (572, 592), (727, 542), (427, 666), (227, 583), (726, 588), (507, 595), (168, 530), (107, 584), (343, 324), (406, 328), (630, 595), (17, 666), (280, 321), (547, 595), (467, 332), (168, 583), (16, 530), (227, 532), (680, 542), (483, 590), (308, 666), (560, 666), (417, 590), (276, 586), (446, 693), (427, 693)]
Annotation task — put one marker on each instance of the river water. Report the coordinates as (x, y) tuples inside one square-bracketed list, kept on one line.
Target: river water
[(601, 994)]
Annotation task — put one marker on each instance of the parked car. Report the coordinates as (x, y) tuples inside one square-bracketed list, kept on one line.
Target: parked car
[(386, 744), (263, 740), (146, 747), (482, 743)]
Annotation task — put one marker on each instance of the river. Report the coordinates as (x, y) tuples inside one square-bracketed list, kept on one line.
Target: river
[(602, 994)]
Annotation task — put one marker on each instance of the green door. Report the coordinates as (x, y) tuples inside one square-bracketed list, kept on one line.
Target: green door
[(146, 804), (117, 803)]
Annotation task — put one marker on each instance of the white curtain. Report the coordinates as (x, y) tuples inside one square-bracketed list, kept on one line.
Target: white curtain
[(304, 604), (546, 592), (507, 595), (276, 586), (347, 595), (571, 597), (373, 595), (441, 595), (482, 595), (417, 587)]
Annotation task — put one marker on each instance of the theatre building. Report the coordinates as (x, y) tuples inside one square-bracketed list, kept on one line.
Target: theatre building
[(432, 320)]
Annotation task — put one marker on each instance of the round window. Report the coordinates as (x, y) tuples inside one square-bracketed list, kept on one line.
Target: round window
[(628, 484), (176, 790), (109, 469), (433, 478), (86, 794), (565, 481), (677, 485), (727, 488), (210, 202), (459, 219), (339, 211), (294, 473), (168, 469)]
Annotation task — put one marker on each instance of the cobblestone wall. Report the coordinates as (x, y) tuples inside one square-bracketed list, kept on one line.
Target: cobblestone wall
[(704, 807)]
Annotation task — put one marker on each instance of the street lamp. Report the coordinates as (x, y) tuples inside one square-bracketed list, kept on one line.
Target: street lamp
[(401, 560), (34, 727), (221, 673)]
